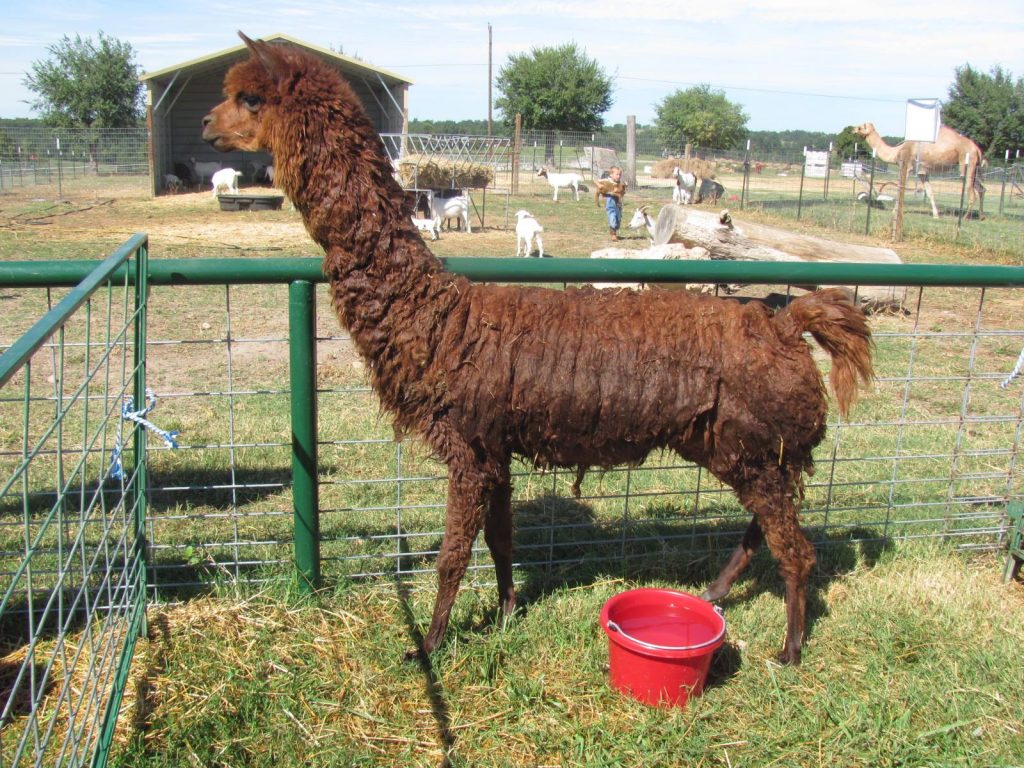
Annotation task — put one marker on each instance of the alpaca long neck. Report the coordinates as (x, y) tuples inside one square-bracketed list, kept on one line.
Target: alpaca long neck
[(388, 289)]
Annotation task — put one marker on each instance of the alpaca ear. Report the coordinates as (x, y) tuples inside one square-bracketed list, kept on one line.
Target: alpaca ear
[(266, 55)]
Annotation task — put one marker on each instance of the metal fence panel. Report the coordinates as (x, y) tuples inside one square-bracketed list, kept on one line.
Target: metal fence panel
[(71, 559), (933, 451)]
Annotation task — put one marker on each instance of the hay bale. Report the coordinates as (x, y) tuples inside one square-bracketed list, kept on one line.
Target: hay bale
[(705, 169), (442, 173)]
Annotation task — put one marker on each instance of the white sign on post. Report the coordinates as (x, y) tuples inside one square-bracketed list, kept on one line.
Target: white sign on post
[(815, 164), (923, 120)]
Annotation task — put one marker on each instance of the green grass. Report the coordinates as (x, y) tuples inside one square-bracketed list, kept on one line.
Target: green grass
[(912, 649), (913, 660)]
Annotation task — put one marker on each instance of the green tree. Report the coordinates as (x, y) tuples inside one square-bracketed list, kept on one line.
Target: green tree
[(86, 84), (700, 116), (554, 89), (989, 108)]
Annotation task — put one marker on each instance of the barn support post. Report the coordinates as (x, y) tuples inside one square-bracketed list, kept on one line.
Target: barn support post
[(305, 488)]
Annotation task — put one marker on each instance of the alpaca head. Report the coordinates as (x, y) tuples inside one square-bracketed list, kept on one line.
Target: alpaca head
[(294, 105), (273, 94)]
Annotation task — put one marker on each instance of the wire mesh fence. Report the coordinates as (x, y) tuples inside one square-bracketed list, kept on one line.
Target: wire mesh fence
[(933, 451), (72, 160), (71, 558)]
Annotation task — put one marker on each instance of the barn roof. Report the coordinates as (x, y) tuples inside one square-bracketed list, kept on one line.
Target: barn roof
[(215, 61)]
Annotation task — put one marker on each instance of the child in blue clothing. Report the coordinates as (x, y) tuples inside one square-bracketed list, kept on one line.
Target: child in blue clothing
[(613, 203)]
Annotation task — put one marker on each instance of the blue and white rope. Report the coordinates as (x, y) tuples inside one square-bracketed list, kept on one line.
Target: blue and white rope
[(139, 417), (1015, 372)]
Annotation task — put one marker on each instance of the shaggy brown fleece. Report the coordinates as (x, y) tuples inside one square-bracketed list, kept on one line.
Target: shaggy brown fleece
[(572, 378)]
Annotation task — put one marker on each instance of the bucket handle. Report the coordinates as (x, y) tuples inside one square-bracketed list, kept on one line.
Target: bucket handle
[(651, 646)]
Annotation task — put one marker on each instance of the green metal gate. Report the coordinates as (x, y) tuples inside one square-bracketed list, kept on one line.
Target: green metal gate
[(72, 506)]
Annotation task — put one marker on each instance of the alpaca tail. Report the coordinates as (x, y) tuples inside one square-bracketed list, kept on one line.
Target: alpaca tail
[(842, 330)]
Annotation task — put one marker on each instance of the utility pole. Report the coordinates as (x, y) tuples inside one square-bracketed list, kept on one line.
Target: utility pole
[(490, 56)]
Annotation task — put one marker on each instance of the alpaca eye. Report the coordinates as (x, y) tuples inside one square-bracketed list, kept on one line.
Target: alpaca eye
[(252, 103)]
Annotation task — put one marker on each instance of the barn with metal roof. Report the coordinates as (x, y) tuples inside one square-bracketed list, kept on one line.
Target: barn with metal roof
[(178, 97)]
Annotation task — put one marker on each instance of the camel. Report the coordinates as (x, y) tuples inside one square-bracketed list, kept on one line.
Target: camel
[(948, 148), (569, 378)]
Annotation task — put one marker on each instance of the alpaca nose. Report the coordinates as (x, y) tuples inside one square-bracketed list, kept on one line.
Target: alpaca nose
[(207, 120)]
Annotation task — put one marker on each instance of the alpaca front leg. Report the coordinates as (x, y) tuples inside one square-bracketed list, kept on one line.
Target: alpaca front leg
[(464, 519)]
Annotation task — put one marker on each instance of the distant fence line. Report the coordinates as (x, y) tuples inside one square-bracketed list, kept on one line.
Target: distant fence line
[(35, 155)]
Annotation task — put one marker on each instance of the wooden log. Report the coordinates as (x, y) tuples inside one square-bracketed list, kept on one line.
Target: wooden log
[(726, 238), (683, 232)]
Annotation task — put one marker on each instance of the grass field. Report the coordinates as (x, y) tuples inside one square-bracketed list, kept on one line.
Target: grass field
[(913, 656)]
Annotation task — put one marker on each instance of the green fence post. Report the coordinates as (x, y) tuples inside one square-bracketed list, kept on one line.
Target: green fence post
[(305, 491), (141, 484)]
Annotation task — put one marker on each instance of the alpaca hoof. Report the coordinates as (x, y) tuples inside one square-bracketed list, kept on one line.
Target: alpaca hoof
[(414, 654), (788, 658), (713, 594)]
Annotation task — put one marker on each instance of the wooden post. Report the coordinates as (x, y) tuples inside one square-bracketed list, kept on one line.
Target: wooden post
[(687, 150), (630, 169), (901, 188), (517, 148)]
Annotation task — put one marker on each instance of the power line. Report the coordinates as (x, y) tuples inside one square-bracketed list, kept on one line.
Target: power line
[(804, 94)]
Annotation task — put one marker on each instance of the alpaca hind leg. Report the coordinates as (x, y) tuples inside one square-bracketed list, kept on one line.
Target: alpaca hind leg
[(498, 535), (467, 496), (773, 502), (739, 560)]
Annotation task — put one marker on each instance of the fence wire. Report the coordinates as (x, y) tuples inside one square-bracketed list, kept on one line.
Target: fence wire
[(933, 451), (72, 579)]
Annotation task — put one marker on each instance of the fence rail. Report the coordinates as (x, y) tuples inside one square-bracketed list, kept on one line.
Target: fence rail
[(284, 465)]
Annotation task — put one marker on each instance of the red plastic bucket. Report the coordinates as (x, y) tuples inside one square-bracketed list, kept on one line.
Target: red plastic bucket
[(660, 644)]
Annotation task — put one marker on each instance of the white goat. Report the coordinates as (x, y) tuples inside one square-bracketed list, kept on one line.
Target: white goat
[(451, 208), (172, 183), (204, 171), (528, 229), (261, 172), (643, 219), (226, 181), (557, 180), (433, 226), (685, 188)]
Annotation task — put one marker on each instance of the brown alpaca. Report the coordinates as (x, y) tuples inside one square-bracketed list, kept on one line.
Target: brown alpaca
[(573, 378)]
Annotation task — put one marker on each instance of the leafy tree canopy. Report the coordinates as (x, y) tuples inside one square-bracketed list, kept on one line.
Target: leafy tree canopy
[(554, 89), (702, 117), (87, 84), (989, 108)]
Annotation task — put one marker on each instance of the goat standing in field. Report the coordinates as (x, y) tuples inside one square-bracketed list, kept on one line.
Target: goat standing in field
[(558, 180), (572, 378), (225, 181), (641, 218), (528, 229), (685, 188), (457, 207), (204, 170)]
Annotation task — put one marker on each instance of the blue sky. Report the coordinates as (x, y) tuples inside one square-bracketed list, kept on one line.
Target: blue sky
[(788, 63)]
